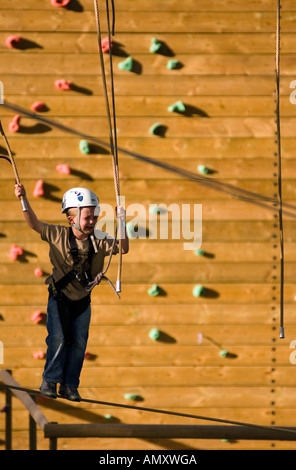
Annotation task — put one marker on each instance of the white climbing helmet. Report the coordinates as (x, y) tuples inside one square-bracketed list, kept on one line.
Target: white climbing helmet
[(80, 197)]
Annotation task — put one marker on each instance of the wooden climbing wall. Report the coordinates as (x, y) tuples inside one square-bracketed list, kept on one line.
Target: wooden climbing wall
[(218, 355)]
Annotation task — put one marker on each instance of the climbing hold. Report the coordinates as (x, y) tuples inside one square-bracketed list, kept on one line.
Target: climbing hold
[(154, 290), (127, 64), (106, 45), (154, 209), (14, 125), (84, 147), (38, 316), (198, 291), (154, 334), (38, 272), (13, 41), (156, 129), (200, 252), (178, 107), (130, 230), (63, 169), (39, 106), (59, 3), (39, 354), (199, 338), (203, 169), (155, 46), (223, 353), (63, 84), (173, 64), (38, 190), (109, 417), (15, 251), (132, 396)]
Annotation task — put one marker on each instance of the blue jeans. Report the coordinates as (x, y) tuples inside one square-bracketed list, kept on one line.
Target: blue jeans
[(64, 361)]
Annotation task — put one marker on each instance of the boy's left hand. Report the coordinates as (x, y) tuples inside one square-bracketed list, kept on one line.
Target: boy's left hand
[(120, 212)]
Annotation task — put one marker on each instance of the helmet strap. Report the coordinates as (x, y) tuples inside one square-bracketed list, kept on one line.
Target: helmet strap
[(77, 223)]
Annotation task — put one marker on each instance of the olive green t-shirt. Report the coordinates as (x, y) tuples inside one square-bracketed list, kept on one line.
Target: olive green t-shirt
[(59, 254)]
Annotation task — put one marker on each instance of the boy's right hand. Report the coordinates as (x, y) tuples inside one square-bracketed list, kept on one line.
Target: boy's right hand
[(19, 190)]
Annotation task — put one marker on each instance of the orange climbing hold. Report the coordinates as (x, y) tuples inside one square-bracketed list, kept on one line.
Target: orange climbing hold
[(38, 272), (106, 44), (63, 169), (38, 316), (13, 41), (59, 3), (38, 106), (14, 125), (14, 252), (38, 190), (63, 84)]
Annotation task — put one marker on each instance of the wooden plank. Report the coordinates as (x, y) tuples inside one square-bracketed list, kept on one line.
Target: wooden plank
[(161, 315), (146, 85), (141, 106), (211, 148), (198, 64), (135, 335), (167, 273), (138, 42), (215, 253), (57, 20), (172, 5), (160, 355)]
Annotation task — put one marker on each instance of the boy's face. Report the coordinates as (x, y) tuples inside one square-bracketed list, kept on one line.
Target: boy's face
[(87, 221)]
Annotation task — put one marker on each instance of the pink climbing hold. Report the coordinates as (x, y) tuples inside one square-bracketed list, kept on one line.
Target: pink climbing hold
[(106, 44), (63, 169), (59, 3), (39, 106), (38, 190), (63, 84), (38, 272), (13, 41), (14, 125), (39, 354), (14, 252), (38, 316)]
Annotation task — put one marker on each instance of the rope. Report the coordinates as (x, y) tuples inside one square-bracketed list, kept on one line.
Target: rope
[(280, 202), (155, 410), (112, 131), (12, 161)]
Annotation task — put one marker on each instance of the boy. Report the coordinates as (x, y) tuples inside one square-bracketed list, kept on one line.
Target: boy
[(77, 258)]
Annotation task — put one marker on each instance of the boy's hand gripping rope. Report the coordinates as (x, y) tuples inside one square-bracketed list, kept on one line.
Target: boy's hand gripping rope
[(11, 160)]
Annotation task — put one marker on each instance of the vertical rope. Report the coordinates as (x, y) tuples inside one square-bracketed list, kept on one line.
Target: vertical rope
[(112, 131), (280, 203)]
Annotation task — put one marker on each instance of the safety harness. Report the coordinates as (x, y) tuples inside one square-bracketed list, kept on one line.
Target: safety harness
[(67, 308)]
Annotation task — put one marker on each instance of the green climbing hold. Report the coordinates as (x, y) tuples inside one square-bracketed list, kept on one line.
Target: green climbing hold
[(132, 396), (203, 169), (127, 64), (154, 290), (154, 334), (178, 107), (109, 417), (156, 129), (154, 209), (84, 147), (223, 353), (200, 252), (156, 45), (173, 64), (198, 291)]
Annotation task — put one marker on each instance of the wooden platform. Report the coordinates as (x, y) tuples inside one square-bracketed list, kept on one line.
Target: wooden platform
[(218, 355)]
